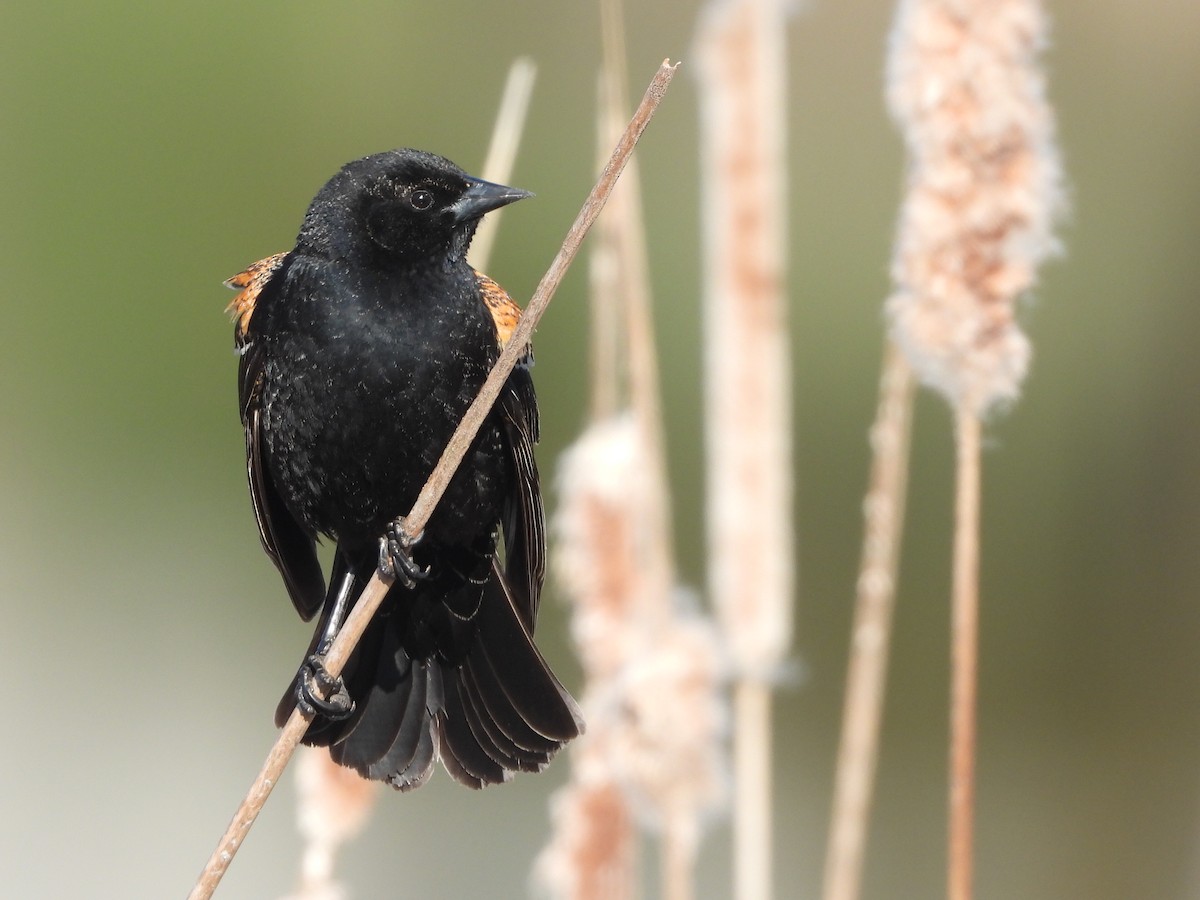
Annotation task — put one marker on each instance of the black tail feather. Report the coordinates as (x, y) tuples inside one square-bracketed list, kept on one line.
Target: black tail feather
[(483, 730), (460, 749), (485, 687), (392, 700), (385, 759), (419, 768), (512, 753), (487, 707), (521, 671)]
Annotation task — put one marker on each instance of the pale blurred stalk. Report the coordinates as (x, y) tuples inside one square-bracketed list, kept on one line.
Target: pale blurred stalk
[(625, 231), (740, 52), (866, 682), (502, 151), (651, 757), (964, 655)]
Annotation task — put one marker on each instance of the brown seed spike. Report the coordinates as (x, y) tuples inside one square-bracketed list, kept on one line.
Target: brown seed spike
[(984, 190)]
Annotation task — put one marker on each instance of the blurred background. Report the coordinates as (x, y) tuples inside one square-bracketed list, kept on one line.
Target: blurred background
[(147, 152)]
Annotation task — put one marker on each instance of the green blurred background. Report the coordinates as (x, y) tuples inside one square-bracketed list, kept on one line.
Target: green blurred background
[(149, 151)]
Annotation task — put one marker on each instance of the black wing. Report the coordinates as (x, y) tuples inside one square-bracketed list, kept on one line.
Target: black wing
[(290, 547), (524, 521)]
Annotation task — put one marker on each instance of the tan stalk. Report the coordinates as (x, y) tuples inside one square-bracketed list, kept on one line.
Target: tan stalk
[(333, 805), (883, 512), (593, 851), (502, 152), (606, 348), (964, 643), (631, 248), (740, 49)]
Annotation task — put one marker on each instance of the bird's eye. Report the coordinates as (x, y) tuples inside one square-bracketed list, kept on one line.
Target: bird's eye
[(421, 200)]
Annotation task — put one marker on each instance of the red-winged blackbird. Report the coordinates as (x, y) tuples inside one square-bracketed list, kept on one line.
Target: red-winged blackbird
[(360, 351)]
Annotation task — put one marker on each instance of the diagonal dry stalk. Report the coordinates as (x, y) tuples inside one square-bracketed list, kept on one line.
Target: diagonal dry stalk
[(883, 512), (417, 518), (964, 654)]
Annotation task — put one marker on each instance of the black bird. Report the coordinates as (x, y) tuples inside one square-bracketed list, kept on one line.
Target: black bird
[(360, 351)]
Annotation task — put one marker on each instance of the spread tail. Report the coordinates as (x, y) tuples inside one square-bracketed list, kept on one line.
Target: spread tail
[(478, 696)]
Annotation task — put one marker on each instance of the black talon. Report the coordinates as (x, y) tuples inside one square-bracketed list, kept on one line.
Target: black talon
[(396, 555), (313, 680)]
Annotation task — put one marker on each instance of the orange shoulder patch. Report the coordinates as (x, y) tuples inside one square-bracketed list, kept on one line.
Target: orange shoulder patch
[(249, 285), (505, 313)]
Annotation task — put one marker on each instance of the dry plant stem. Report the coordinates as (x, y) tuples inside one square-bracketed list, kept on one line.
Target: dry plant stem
[(752, 776), (502, 153), (630, 247), (883, 511), (614, 563), (333, 805), (604, 283), (740, 49), (677, 865), (439, 479), (964, 657)]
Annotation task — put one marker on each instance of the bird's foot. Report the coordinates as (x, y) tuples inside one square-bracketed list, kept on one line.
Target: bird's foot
[(396, 555), (312, 682)]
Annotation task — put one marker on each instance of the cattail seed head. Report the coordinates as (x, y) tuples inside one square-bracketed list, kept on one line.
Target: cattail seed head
[(983, 190)]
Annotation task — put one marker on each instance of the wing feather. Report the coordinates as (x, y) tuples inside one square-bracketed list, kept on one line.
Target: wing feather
[(524, 518), (289, 546)]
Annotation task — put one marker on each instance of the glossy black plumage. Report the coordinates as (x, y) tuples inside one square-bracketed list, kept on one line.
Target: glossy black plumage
[(361, 349)]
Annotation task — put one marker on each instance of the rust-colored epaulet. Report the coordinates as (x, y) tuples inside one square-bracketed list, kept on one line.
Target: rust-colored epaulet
[(249, 284), (504, 311)]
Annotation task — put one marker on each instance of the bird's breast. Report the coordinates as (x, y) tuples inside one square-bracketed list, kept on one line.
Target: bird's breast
[(360, 405)]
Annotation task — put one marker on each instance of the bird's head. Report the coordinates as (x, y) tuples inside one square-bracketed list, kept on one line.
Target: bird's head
[(406, 205)]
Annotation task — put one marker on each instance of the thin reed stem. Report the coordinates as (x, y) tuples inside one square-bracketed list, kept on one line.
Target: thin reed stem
[(741, 60), (883, 512), (634, 286), (605, 342), (502, 151), (964, 657), (676, 868), (752, 775), (436, 485)]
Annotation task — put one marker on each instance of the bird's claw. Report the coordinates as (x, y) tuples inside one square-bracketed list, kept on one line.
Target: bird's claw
[(314, 681), (396, 555)]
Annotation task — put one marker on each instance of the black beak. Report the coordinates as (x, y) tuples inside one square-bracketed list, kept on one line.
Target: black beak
[(481, 197)]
